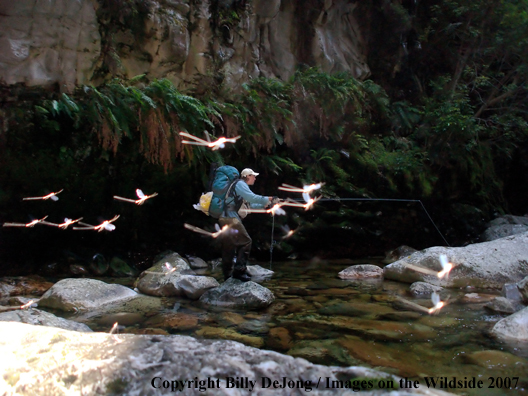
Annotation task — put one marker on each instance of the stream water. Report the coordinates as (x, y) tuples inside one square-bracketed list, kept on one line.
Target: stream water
[(330, 321)]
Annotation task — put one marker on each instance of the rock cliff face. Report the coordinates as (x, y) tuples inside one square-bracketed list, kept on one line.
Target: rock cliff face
[(75, 42)]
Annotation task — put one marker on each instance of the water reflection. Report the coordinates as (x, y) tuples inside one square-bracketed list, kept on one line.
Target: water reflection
[(330, 321)]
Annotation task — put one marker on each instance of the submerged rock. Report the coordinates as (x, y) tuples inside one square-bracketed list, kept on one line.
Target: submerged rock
[(84, 294), (42, 318), (495, 360), (420, 289), (23, 285), (361, 271), (484, 265), (237, 294)]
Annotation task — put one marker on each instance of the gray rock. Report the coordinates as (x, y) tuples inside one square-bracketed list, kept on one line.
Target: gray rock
[(513, 327), (193, 287), (236, 294), (424, 289), (523, 289), (42, 318), (398, 253), (84, 294), (505, 226), (361, 271), (483, 265), (511, 291), (137, 364), (172, 276), (196, 262), (258, 272), (501, 305)]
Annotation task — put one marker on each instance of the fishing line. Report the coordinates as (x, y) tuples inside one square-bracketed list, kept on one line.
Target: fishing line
[(392, 200), (388, 200), (272, 242)]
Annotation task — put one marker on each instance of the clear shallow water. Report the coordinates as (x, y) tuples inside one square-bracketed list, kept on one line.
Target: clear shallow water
[(330, 321)]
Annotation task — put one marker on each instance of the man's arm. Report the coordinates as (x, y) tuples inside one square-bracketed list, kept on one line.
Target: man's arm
[(256, 201)]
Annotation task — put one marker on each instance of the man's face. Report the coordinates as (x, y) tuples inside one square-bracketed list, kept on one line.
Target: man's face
[(250, 180)]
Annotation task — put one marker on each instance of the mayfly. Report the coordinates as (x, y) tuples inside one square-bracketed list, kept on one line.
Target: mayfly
[(28, 225), (105, 225), (218, 232), (218, 144), (52, 196), (142, 197)]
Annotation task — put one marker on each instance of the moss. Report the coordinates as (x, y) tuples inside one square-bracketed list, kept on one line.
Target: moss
[(116, 386)]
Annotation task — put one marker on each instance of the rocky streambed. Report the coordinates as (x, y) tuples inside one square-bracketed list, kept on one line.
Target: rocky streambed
[(337, 316)]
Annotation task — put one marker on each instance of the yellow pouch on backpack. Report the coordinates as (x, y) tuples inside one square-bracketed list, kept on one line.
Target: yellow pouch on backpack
[(204, 203)]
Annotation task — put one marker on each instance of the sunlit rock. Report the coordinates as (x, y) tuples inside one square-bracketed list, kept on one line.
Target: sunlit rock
[(84, 294), (361, 271), (48, 43), (513, 327), (237, 294), (127, 363), (42, 318), (483, 265)]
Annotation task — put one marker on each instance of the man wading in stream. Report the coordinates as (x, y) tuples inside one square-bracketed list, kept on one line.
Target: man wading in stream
[(236, 244)]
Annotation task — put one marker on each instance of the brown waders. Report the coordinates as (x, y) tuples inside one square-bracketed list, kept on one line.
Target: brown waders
[(236, 245)]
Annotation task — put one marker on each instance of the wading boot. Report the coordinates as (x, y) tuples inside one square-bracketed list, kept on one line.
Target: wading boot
[(242, 276)]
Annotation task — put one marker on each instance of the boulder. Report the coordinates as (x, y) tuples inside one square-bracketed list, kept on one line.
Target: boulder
[(130, 364), (398, 253), (511, 291), (513, 327), (196, 262), (42, 318), (237, 294), (172, 276), (505, 226), (361, 271), (84, 295), (258, 272), (483, 265), (501, 305)]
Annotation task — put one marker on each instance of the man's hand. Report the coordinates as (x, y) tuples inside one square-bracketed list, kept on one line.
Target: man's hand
[(274, 201)]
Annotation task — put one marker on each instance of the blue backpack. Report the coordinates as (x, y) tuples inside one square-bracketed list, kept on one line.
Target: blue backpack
[(222, 183)]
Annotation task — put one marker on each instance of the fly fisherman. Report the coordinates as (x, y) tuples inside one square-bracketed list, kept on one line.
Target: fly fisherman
[(236, 244)]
